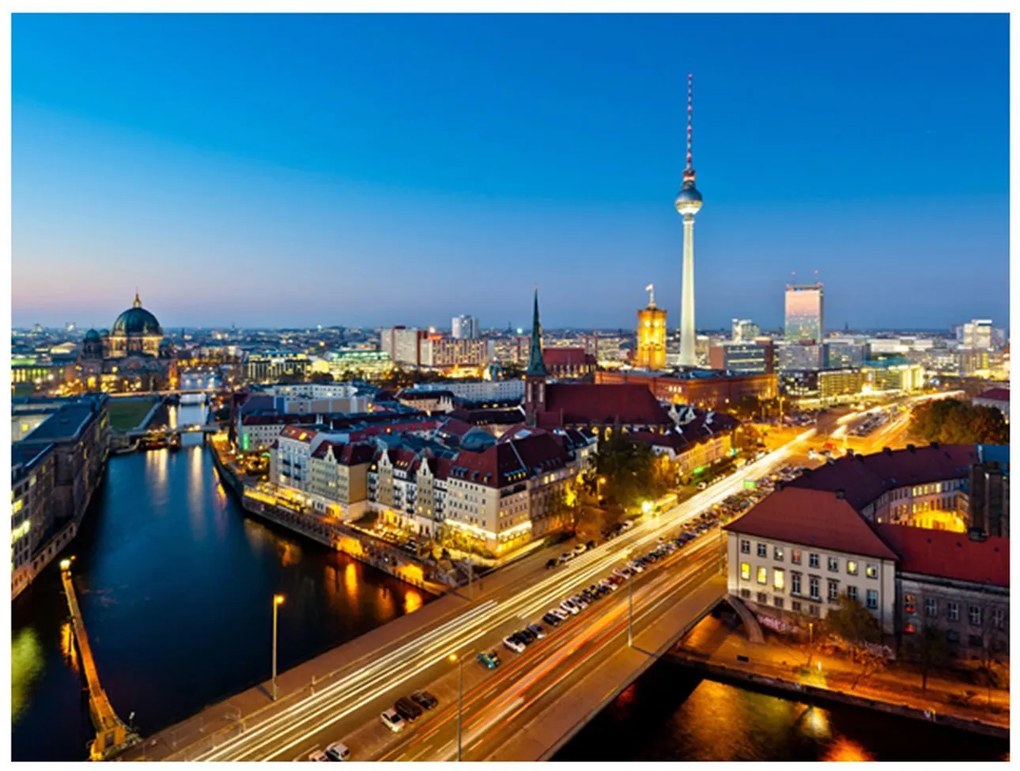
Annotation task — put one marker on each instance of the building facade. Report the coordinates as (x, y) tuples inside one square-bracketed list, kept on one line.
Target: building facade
[(804, 313), (650, 353)]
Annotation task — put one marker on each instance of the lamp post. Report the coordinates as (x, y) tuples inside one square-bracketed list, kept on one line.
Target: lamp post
[(811, 641), (460, 696), (630, 611), (277, 602)]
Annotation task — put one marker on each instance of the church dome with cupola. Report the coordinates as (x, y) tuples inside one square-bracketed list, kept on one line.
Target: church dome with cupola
[(136, 321)]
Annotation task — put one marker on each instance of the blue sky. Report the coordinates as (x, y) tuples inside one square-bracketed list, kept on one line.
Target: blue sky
[(365, 170)]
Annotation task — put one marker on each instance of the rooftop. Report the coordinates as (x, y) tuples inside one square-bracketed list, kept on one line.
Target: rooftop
[(949, 555)]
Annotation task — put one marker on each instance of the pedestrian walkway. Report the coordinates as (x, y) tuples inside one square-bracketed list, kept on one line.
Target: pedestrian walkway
[(715, 644)]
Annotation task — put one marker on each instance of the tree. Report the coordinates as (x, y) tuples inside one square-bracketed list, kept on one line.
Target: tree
[(952, 421), (852, 622), (930, 649), (630, 471)]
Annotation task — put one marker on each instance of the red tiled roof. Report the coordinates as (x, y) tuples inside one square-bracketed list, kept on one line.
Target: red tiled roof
[(566, 357), (346, 454), (949, 555), (865, 477), (300, 433), (509, 462), (601, 404), (995, 394), (812, 518), (455, 427)]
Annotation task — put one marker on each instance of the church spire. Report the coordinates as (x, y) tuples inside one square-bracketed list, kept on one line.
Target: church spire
[(536, 366), (138, 300)]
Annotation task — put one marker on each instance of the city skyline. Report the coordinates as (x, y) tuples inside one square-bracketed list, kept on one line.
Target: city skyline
[(205, 182)]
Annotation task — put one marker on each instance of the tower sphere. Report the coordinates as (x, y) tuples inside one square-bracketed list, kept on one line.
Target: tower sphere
[(688, 200)]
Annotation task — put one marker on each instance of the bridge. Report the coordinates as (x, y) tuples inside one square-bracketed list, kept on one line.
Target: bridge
[(527, 708), (112, 734)]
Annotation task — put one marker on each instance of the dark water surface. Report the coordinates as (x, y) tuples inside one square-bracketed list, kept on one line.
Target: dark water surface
[(672, 714), (175, 585)]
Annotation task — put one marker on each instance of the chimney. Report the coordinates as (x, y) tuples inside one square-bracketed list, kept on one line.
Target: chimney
[(840, 494), (912, 448), (887, 450)]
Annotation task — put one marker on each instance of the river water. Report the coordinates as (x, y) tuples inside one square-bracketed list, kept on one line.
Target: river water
[(175, 585), (673, 714)]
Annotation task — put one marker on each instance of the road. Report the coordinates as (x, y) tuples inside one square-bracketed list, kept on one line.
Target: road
[(351, 703)]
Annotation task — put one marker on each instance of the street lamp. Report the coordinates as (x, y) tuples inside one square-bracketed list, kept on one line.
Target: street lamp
[(277, 602), (811, 641), (460, 696), (630, 611)]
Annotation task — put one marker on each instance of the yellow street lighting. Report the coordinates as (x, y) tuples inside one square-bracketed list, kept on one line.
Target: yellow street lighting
[(65, 564)]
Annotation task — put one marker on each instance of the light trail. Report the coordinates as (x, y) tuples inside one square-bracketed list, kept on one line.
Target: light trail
[(300, 722)]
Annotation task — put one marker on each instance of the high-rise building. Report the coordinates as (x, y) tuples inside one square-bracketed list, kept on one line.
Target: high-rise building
[(651, 335), (743, 358), (744, 330), (797, 356), (464, 328), (976, 335), (688, 203), (804, 313)]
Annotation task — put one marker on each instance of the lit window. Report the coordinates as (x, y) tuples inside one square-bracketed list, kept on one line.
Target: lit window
[(871, 571), (777, 553), (851, 567), (779, 579), (763, 575), (795, 556), (909, 603), (745, 571)]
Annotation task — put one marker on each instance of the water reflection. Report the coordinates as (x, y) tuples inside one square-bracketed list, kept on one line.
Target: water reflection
[(156, 470), (351, 583), (290, 553), (412, 600), (26, 668), (67, 646), (196, 493), (847, 750)]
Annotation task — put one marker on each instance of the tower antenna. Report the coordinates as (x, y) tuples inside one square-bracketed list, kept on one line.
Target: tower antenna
[(690, 121)]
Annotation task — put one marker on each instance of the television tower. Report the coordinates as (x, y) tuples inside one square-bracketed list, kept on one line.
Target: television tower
[(688, 202)]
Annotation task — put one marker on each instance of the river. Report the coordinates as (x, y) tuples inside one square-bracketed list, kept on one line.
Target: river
[(175, 585), (673, 714)]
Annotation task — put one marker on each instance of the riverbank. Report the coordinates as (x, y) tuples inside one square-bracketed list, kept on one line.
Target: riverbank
[(329, 532), (716, 651)]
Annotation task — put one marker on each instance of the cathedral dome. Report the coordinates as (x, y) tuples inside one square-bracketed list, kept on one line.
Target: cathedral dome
[(136, 321), (92, 336)]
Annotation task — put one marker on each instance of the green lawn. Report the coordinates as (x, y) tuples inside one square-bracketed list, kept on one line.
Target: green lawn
[(126, 414)]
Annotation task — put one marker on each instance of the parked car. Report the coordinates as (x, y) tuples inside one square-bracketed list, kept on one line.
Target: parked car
[(526, 636), (424, 699), (319, 755), (488, 659), (561, 614), (551, 619), (590, 544), (566, 557), (513, 644), (580, 549), (570, 607), (392, 720), (407, 709), (551, 563), (338, 751)]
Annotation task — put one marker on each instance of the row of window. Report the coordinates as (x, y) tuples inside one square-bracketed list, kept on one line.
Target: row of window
[(814, 585), (814, 559), (975, 613)]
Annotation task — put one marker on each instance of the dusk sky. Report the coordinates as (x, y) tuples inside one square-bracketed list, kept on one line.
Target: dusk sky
[(368, 170)]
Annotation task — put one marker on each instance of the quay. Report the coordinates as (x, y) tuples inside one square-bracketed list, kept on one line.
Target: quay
[(719, 653), (112, 734)]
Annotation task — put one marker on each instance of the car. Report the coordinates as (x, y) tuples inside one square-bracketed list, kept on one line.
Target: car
[(407, 709), (338, 751), (570, 607), (579, 601), (424, 699), (608, 585), (590, 545), (702, 485), (537, 630), (552, 619), (566, 557), (635, 566), (513, 644), (580, 549), (488, 659), (319, 755), (615, 580), (526, 636), (551, 563), (626, 525), (392, 720)]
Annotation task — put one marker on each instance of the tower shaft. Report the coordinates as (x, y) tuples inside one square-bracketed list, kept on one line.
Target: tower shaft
[(687, 333)]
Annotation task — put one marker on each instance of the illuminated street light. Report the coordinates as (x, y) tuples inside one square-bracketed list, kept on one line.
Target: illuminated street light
[(460, 697), (65, 565), (277, 602)]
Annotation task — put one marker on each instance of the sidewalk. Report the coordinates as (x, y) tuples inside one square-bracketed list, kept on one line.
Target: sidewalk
[(716, 645)]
